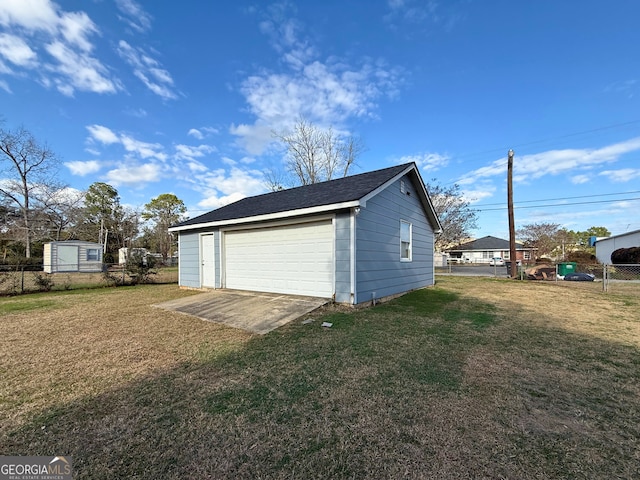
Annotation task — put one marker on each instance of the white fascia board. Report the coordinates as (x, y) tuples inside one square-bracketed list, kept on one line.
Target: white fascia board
[(422, 192), (270, 216)]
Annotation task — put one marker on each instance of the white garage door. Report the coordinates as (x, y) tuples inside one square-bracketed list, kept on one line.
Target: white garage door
[(294, 259)]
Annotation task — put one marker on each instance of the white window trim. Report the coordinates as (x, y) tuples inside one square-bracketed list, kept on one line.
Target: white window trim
[(402, 259), (97, 251)]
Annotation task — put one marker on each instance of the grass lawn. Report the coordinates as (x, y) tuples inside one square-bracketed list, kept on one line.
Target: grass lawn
[(474, 378)]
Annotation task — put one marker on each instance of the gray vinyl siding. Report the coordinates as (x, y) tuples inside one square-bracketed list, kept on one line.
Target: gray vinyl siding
[(189, 259), (343, 258), (380, 272)]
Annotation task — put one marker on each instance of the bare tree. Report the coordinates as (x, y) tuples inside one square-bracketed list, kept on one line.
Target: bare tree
[(544, 236), (27, 166), (61, 211), (315, 154), (456, 216)]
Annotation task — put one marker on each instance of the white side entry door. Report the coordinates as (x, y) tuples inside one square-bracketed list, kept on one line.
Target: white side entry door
[(208, 266)]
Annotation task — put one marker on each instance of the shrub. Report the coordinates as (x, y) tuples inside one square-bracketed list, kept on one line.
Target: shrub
[(626, 256), (43, 281), (140, 267), (581, 256)]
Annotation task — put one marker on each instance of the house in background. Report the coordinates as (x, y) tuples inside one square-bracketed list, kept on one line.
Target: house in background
[(72, 256), (484, 249), (606, 246), (353, 239)]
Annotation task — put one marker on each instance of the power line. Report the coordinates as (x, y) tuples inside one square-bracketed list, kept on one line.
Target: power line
[(560, 137), (563, 198), (559, 204)]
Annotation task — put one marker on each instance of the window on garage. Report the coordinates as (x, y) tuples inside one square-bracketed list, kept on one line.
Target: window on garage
[(405, 241)]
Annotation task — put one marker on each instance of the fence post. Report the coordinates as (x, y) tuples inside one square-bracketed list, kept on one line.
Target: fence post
[(22, 280), (604, 277)]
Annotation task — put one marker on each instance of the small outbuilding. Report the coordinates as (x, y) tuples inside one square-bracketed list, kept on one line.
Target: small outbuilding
[(354, 239), (72, 256)]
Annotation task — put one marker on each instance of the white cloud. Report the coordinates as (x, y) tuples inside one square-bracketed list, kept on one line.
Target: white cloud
[(554, 162), (478, 194), (621, 175), (134, 15), (202, 132), (76, 28), (196, 167), (103, 134), (143, 149), (426, 161), (148, 70), (64, 36), (325, 92), (134, 175), (137, 112), (16, 50), (83, 168), (220, 187), (417, 12), (580, 179), (29, 14), (194, 132), (78, 71), (186, 152)]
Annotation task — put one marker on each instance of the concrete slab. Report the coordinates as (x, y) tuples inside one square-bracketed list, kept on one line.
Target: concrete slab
[(253, 311)]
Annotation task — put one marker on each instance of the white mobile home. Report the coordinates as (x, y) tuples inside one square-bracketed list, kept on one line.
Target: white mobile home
[(72, 256)]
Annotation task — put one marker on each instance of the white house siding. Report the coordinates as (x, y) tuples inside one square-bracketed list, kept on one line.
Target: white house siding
[(606, 246), (53, 263), (380, 272)]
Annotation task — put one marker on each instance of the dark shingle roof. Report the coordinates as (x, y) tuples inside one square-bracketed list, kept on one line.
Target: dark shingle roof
[(318, 194), (485, 243)]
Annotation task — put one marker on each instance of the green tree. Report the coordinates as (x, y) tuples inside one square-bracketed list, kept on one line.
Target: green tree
[(583, 237), (162, 212), (106, 221)]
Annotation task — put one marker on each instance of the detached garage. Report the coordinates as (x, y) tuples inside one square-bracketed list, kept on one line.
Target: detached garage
[(352, 239)]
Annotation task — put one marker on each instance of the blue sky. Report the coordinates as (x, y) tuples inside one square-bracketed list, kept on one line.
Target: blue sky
[(181, 97)]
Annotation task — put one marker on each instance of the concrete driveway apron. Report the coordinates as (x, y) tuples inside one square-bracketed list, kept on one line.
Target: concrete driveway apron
[(255, 312)]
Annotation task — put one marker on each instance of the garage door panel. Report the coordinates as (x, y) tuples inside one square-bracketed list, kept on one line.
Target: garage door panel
[(296, 259)]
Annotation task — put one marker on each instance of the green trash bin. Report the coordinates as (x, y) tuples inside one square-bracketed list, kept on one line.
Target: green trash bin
[(566, 267)]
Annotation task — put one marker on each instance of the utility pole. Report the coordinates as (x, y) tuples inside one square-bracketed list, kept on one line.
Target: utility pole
[(512, 228)]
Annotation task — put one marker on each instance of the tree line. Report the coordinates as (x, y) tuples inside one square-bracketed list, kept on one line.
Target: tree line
[(35, 208), (552, 241)]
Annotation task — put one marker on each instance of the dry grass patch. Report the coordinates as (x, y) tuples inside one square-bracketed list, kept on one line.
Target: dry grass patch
[(475, 378), (59, 347)]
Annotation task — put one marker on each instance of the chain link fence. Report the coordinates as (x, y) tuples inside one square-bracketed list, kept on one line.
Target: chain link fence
[(19, 279), (623, 279), (615, 279)]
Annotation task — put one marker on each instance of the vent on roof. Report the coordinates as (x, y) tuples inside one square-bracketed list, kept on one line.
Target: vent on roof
[(403, 188)]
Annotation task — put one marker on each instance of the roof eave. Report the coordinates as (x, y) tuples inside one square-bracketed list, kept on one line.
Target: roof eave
[(270, 216)]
